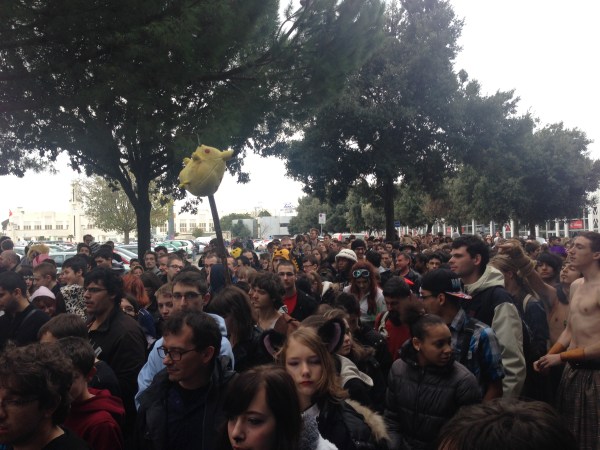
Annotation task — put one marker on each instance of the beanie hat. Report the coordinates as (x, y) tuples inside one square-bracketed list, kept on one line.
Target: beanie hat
[(42, 291), (443, 281), (348, 254)]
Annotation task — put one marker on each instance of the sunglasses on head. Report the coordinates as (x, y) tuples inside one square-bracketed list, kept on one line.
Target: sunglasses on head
[(358, 273)]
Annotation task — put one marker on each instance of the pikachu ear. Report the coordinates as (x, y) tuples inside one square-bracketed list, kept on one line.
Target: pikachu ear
[(332, 334), (272, 341)]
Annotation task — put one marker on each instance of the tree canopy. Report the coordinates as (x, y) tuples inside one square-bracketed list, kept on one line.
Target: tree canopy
[(128, 88), (227, 220), (413, 137), (393, 120), (238, 229)]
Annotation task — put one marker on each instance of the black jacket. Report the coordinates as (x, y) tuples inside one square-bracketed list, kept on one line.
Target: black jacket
[(23, 327), (305, 306), (151, 429), (420, 400), (345, 427), (120, 342)]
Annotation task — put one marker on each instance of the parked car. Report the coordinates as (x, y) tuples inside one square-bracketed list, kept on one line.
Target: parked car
[(170, 246), (130, 248), (60, 257), (179, 244)]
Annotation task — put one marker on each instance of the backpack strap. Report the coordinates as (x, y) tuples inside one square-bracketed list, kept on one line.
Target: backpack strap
[(381, 329), (466, 343), (29, 314), (526, 300)]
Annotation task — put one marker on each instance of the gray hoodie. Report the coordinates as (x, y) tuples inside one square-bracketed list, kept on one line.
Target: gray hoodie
[(509, 331)]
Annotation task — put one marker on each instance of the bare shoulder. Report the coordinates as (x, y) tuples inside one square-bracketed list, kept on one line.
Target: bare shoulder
[(576, 284), (575, 287), (586, 291)]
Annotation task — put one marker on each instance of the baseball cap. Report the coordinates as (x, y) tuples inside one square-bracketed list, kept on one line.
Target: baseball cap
[(443, 280), (348, 254)]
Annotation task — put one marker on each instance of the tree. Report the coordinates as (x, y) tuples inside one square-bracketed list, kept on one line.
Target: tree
[(556, 177), (307, 216), (227, 220), (128, 88), (264, 213), (197, 232), (546, 174), (396, 117), (240, 230), (111, 210)]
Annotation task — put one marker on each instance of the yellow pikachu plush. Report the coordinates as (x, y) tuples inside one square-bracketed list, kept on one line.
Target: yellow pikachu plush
[(203, 173)]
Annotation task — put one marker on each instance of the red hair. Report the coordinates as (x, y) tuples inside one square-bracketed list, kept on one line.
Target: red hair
[(371, 305), (135, 286)]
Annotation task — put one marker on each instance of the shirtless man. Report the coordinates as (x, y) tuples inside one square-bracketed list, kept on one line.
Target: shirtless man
[(579, 346)]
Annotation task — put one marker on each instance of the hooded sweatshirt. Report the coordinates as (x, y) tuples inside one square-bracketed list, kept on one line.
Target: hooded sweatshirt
[(506, 322), (97, 420)]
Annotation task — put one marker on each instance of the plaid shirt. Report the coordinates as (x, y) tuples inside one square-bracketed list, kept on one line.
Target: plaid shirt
[(484, 359)]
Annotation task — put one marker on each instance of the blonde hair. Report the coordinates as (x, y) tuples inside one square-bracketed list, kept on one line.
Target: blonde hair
[(38, 249), (505, 263)]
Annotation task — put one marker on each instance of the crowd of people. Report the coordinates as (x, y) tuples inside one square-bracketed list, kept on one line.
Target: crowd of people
[(417, 342)]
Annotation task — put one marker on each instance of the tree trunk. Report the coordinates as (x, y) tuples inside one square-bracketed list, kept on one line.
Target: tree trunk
[(532, 229), (388, 193), (126, 237), (429, 227), (142, 208)]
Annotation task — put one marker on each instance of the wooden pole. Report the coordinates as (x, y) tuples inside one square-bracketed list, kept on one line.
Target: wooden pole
[(222, 252)]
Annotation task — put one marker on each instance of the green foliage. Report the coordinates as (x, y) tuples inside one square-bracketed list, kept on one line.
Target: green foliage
[(197, 232), (128, 88), (307, 217), (363, 214), (264, 213), (111, 210), (240, 230), (395, 118)]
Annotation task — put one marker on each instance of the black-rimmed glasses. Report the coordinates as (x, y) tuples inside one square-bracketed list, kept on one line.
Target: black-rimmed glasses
[(175, 355)]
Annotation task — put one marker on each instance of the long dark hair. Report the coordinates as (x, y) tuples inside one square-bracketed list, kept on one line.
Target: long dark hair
[(281, 397), (371, 305), (234, 302)]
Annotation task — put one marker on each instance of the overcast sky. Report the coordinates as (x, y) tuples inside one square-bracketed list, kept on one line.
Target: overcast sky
[(545, 50)]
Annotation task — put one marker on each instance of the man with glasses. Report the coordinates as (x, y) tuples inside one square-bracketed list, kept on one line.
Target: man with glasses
[(116, 338), (183, 407), (359, 248), (174, 266), (190, 292), (299, 304)]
